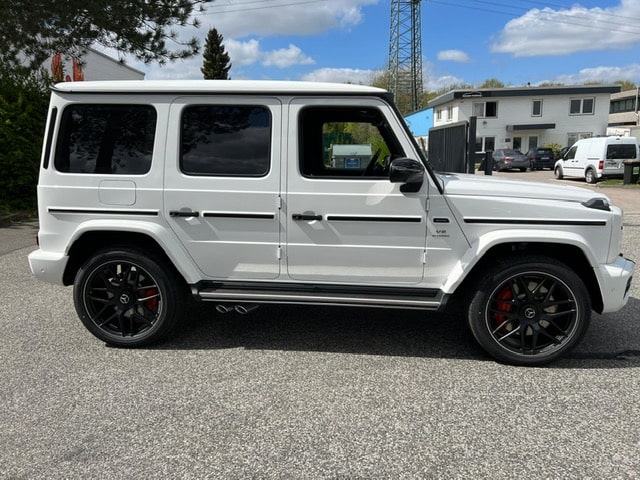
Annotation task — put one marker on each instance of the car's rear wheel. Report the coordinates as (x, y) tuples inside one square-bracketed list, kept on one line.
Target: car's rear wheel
[(590, 176), (529, 311), (127, 298), (558, 173)]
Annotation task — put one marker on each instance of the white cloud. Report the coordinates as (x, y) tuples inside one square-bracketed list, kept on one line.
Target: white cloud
[(242, 18), (341, 75), (453, 56), (281, 17), (561, 32), (286, 57), (243, 53), (600, 74)]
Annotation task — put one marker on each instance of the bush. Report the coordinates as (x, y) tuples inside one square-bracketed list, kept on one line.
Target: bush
[(23, 111)]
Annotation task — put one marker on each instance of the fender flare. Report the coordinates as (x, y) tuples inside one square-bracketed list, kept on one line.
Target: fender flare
[(487, 241), (172, 248)]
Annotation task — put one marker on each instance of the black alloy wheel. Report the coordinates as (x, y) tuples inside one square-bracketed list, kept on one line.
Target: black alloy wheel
[(531, 313), (126, 298)]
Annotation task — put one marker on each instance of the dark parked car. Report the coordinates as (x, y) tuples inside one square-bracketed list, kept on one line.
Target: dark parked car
[(540, 158), (508, 158), (561, 153)]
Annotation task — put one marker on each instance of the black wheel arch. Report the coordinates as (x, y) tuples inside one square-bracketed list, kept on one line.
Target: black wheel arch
[(570, 255)]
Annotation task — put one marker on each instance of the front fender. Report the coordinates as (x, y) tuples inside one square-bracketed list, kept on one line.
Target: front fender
[(489, 240)]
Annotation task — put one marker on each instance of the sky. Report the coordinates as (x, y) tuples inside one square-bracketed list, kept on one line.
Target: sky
[(463, 41)]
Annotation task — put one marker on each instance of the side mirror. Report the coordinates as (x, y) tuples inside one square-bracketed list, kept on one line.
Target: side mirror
[(407, 171)]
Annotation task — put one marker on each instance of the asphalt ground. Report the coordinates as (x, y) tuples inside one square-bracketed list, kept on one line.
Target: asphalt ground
[(305, 393)]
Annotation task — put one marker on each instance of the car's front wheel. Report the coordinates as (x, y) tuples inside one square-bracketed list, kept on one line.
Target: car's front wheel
[(529, 311), (127, 298), (558, 173)]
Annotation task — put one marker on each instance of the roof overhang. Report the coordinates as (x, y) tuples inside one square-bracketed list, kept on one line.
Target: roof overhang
[(531, 126)]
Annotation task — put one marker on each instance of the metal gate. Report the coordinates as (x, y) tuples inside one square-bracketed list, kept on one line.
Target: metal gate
[(451, 147)]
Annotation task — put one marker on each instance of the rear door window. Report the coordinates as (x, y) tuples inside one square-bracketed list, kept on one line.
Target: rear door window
[(624, 151), (226, 140)]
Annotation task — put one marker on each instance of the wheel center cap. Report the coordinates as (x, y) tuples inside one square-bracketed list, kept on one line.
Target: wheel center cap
[(125, 299), (529, 313)]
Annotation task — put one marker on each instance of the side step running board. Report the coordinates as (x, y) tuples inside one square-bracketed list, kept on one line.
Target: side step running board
[(383, 297)]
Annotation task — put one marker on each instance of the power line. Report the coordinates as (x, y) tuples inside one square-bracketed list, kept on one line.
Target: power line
[(218, 9), (626, 27)]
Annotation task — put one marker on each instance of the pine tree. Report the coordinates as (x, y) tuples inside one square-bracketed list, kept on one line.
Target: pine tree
[(216, 63), (35, 30)]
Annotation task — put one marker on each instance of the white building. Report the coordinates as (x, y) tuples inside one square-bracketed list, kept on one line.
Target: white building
[(93, 65), (528, 117), (624, 115)]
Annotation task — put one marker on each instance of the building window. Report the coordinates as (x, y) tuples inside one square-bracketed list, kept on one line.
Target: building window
[(573, 137), (450, 113), (517, 143), (439, 114), (484, 144), (624, 105), (533, 141), (581, 106), (536, 108), (485, 109)]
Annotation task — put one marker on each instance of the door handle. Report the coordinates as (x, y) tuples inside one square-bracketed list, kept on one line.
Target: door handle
[(182, 213), (304, 216)]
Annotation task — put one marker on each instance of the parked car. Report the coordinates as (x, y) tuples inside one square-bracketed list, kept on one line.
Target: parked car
[(562, 152), (508, 158), (152, 191), (596, 158), (540, 158)]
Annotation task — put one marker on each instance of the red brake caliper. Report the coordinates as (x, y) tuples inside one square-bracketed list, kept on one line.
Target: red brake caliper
[(503, 305), (152, 303)]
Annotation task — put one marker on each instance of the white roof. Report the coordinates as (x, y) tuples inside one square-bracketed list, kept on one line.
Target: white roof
[(241, 86), (351, 150)]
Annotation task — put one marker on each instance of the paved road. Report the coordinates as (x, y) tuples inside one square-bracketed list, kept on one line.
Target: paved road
[(297, 392)]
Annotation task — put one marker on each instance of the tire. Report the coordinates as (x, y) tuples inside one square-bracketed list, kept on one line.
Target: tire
[(523, 169), (128, 298), (558, 173), (529, 311), (590, 176)]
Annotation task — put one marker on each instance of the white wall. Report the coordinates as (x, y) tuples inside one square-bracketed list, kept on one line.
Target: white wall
[(517, 111), (98, 66)]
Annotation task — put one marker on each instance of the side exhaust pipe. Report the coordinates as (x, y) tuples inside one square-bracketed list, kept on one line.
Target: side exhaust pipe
[(244, 309), (224, 308)]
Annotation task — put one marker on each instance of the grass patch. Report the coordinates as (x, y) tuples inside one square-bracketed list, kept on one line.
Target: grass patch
[(617, 182)]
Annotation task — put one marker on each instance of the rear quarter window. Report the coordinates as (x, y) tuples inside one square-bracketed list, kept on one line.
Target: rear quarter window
[(106, 139)]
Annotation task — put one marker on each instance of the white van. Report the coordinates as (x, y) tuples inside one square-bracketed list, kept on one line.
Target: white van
[(151, 192), (596, 158)]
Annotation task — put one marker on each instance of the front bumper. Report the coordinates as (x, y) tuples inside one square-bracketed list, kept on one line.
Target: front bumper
[(616, 280)]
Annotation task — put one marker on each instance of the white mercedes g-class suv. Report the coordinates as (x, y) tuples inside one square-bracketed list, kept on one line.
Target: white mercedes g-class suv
[(246, 192)]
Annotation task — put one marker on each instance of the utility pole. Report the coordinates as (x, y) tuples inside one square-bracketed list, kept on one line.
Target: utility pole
[(405, 55)]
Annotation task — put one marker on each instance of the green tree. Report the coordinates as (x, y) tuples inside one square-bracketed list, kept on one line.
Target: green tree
[(216, 62), (39, 29), (492, 83), (23, 110), (625, 85)]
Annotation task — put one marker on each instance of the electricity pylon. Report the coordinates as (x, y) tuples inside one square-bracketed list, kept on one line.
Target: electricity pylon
[(405, 55)]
